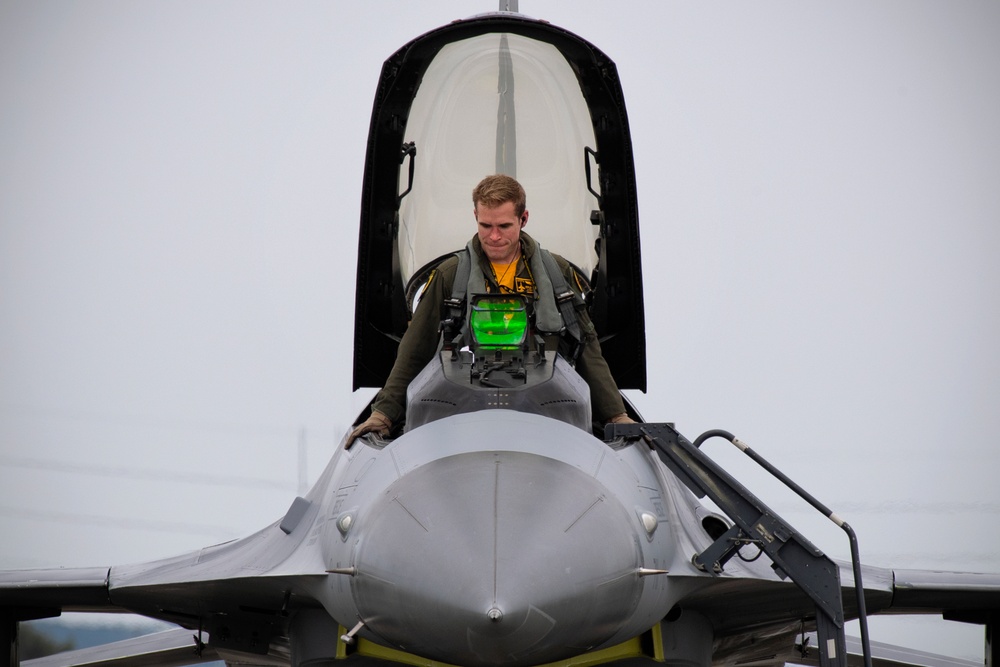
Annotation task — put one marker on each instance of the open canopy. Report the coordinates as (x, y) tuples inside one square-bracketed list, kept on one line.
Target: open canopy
[(497, 103), (498, 93)]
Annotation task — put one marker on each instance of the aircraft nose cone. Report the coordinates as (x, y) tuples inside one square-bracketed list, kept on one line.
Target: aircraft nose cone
[(496, 557)]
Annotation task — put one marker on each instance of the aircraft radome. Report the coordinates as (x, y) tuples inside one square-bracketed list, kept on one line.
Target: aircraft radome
[(497, 528)]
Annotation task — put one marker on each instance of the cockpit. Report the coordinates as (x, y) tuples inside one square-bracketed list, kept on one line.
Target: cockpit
[(498, 93)]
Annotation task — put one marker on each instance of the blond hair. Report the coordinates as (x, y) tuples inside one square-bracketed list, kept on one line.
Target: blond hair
[(497, 190)]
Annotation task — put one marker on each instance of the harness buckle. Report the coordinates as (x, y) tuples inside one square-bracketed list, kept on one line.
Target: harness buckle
[(564, 297)]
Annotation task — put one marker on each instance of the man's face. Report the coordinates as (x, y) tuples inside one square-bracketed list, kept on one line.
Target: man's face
[(500, 231)]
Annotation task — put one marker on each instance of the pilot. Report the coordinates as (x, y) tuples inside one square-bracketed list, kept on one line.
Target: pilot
[(507, 258)]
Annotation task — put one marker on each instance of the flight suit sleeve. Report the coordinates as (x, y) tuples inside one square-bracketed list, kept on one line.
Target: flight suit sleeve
[(418, 345), (605, 398)]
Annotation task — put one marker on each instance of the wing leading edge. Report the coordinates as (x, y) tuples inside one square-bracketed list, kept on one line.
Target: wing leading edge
[(243, 593)]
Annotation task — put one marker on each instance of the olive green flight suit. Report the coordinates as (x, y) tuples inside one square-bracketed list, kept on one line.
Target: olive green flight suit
[(421, 340)]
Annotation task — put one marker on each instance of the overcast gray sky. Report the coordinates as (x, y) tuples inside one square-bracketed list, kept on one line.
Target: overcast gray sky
[(819, 189)]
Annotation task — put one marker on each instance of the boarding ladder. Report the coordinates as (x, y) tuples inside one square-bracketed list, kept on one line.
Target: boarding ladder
[(792, 555)]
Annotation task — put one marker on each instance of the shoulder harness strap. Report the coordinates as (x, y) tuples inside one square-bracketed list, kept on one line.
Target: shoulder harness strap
[(565, 298), (453, 326), (555, 310)]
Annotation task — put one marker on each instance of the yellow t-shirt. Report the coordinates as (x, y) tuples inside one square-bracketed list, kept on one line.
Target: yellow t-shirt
[(505, 274)]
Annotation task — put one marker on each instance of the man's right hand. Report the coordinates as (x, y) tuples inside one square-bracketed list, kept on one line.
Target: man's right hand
[(377, 423)]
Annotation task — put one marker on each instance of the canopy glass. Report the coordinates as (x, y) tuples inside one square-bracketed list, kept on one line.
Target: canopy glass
[(497, 103)]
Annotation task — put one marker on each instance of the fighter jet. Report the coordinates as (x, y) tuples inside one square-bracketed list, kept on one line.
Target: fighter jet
[(497, 526)]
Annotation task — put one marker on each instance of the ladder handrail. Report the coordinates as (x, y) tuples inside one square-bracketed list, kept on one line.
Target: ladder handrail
[(859, 589), (791, 553)]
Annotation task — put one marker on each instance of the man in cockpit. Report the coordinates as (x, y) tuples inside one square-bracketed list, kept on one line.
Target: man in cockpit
[(510, 262)]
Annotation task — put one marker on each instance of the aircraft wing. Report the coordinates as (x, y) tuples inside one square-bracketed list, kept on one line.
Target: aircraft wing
[(36, 593), (883, 655), (741, 601), (241, 592), (758, 619), (171, 648), (737, 604), (962, 596)]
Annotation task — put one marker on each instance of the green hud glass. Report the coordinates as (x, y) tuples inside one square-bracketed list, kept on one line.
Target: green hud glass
[(498, 321)]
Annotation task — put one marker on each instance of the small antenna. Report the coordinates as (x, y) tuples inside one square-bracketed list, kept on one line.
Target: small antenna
[(508, 5)]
